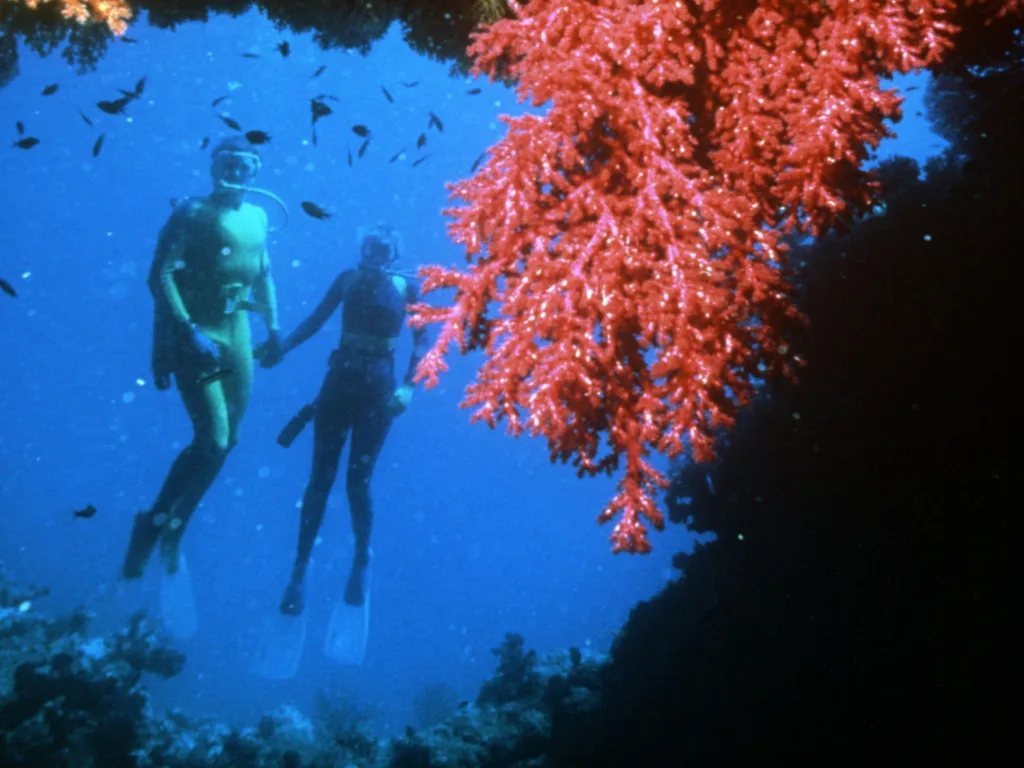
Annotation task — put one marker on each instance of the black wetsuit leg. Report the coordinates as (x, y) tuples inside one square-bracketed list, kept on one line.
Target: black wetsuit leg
[(354, 398)]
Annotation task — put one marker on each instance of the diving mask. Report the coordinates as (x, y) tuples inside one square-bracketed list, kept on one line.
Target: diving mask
[(379, 247), (235, 169)]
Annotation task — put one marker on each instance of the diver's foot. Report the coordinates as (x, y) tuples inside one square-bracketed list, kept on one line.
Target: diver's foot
[(170, 545), (355, 589), (144, 536), (294, 600)]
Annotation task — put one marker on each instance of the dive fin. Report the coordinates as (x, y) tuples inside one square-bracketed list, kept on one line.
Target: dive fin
[(348, 631), (280, 652), (177, 603)]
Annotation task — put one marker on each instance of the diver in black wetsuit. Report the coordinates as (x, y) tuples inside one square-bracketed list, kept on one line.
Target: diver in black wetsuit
[(358, 397)]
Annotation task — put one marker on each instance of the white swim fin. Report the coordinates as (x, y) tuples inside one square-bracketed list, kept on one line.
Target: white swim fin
[(348, 631), (281, 646)]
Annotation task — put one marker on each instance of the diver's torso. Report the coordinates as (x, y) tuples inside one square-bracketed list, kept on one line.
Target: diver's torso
[(374, 305), (224, 255)]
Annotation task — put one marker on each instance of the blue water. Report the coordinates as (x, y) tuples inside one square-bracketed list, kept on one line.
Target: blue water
[(476, 534)]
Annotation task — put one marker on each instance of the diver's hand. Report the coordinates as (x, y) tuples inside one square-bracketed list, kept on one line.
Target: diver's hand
[(203, 346), (270, 352), (400, 400)]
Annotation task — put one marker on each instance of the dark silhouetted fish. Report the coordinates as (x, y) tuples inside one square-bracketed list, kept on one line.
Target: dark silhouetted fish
[(96, 147), (248, 55), (204, 143), (435, 122), (8, 288), (318, 109), (257, 137), (85, 512), (473, 91), (476, 163), (115, 107), (349, 158), (315, 210), (397, 155), (27, 143), (20, 128), (284, 48), (319, 71), (51, 89), (421, 140), (219, 99), (387, 95), (126, 39), (361, 131), (419, 160), (411, 84), (232, 124), (85, 117), (362, 148)]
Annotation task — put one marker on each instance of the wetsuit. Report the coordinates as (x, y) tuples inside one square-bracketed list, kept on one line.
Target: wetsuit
[(208, 259), (355, 399)]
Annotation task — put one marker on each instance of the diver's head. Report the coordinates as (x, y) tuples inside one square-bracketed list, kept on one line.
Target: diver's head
[(379, 247), (234, 165)]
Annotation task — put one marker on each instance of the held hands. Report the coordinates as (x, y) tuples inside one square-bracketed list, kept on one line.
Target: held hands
[(400, 400), (270, 352)]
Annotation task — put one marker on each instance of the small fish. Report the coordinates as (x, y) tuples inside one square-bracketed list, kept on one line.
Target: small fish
[(126, 39), (315, 210), (219, 99), (85, 117), (361, 131), (20, 128), (27, 143), (912, 88), (318, 109), (217, 375), (421, 140), (412, 84), (204, 143), (476, 163), (232, 124), (435, 122), (51, 89), (98, 145), (140, 86), (387, 95), (248, 55), (284, 48), (115, 107), (349, 158), (419, 160), (319, 71), (362, 148), (398, 154), (85, 512), (8, 288), (473, 91), (257, 137)]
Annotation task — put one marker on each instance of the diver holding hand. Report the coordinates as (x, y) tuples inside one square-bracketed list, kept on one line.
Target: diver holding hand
[(211, 268), (358, 397)]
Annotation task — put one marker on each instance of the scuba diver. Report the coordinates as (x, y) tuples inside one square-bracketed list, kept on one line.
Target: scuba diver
[(358, 397), (209, 271)]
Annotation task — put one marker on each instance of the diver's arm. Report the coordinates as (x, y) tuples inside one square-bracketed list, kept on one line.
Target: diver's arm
[(330, 302), (420, 344), (265, 293), (170, 263)]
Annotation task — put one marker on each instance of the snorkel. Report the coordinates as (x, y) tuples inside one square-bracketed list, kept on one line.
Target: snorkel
[(234, 167)]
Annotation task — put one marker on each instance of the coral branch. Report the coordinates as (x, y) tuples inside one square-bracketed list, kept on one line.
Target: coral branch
[(627, 270)]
